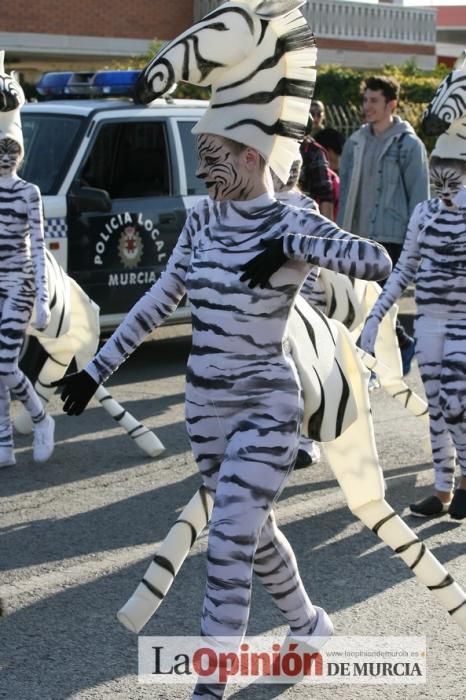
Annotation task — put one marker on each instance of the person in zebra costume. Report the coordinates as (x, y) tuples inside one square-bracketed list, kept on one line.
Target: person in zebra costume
[(241, 257), (322, 347), (434, 257), (23, 279)]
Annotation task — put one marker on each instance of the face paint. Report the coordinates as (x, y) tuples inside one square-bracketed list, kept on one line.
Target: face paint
[(446, 181), (221, 169), (10, 156)]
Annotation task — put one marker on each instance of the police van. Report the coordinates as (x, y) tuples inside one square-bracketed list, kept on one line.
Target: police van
[(116, 179)]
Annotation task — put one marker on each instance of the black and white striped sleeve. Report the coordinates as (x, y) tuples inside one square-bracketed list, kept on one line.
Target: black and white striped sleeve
[(325, 244), (404, 271)]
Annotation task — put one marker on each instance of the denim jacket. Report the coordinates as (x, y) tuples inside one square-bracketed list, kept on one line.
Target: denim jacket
[(401, 181)]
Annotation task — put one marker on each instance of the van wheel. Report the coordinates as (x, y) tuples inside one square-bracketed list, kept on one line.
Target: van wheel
[(32, 357)]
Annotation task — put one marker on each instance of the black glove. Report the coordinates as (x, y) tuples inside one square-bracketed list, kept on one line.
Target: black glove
[(78, 390), (261, 268)]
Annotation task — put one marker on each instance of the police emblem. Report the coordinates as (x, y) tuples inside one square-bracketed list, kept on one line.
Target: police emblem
[(130, 247)]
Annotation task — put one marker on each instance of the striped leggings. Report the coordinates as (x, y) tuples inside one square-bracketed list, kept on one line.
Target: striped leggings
[(16, 302), (245, 452), (441, 355)]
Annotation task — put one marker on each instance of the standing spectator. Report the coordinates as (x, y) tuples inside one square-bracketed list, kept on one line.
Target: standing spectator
[(384, 175), (316, 178), (317, 113), (333, 142)]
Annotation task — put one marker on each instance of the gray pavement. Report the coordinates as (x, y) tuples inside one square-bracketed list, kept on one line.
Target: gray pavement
[(76, 535)]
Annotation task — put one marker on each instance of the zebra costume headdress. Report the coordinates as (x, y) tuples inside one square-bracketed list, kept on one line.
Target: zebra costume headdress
[(259, 59), (11, 100), (446, 114)]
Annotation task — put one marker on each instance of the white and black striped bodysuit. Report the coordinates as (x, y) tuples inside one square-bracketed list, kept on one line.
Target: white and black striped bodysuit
[(243, 395), (22, 276), (434, 257)]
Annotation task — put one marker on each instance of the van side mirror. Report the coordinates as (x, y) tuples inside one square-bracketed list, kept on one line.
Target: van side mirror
[(85, 199)]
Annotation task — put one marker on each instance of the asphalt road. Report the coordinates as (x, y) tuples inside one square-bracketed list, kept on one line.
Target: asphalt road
[(76, 535)]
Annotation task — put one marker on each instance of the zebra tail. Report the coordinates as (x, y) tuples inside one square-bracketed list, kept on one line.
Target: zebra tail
[(379, 517), (167, 562), (142, 436)]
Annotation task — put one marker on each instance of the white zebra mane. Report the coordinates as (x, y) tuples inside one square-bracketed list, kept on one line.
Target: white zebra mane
[(272, 8)]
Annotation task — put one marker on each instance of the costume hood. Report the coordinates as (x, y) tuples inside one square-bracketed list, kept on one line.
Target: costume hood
[(446, 113), (452, 144)]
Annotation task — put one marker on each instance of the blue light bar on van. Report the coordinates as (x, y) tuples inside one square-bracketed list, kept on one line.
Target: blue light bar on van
[(53, 84), (110, 83), (115, 82)]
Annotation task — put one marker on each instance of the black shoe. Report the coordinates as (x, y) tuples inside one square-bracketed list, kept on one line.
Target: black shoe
[(430, 507), (457, 509), (303, 460)]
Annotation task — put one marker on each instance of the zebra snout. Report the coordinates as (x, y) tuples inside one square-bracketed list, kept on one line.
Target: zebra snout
[(433, 125), (143, 94)]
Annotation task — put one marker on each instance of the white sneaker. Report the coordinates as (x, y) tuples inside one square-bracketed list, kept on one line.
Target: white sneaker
[(374, 382), (320, 634), (314, 453), (7, 457), (43, 439)]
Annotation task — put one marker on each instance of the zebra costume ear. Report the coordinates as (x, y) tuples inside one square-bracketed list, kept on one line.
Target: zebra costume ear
[(11, 100), (260, 65), (460, 63), (275, 8)]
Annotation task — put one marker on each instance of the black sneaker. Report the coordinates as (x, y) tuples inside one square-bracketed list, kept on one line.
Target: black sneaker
[(303, 460), (457, 509), (306, 459), (430, 507)]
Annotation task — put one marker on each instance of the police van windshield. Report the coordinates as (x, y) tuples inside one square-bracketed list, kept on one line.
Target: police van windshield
[(49, 144)]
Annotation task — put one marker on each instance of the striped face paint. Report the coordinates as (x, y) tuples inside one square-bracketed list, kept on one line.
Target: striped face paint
[(446, 181), (10, 156), (221, 169)]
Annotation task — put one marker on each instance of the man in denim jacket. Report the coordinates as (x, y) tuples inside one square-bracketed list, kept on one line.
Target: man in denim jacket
[(384, 173)]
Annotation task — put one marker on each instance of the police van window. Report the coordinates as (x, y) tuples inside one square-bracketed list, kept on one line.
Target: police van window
[(194, 185), (49, 144), (129, 160)]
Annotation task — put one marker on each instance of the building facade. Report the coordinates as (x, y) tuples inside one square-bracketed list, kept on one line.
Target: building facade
[(58, 35), (54, 35)]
